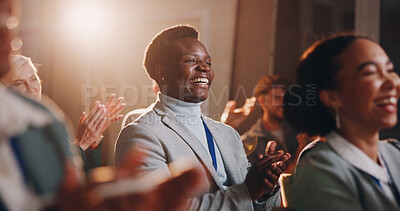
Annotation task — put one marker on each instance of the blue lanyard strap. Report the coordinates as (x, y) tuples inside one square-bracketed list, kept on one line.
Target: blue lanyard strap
[(211, 148)]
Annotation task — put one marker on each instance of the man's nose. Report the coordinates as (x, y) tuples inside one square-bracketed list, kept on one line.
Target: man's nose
[(203, 66)]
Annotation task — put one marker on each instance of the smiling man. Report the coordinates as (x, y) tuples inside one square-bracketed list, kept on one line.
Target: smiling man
[(174, 129), (269, 93)]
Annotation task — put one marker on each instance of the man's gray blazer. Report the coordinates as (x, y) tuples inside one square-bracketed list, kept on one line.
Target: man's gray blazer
[(165, 140)]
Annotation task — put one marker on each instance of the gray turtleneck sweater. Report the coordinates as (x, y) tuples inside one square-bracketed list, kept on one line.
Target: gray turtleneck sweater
[(190, 115)]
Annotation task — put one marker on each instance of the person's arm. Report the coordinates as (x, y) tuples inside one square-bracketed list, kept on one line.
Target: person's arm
[(321, 183), (236, 116), (237, 196), (117, 192)]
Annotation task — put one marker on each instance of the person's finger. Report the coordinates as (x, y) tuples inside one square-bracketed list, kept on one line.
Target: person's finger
[(115, 105), (271, 147), (94, 110), (93, 126), (252, 101), (272, 178), (268, 184), (98, 115), (286, 157), (277, 168), (97, 141), (117, 110), (281, 167), (111, 100), (82, 119), (101, 123), (95, 107), (249, 106), (119, 117), (230, 106), (115, 119), (80, 129), (266, 161)]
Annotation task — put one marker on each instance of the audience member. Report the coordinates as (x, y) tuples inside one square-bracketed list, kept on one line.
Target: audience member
[(347, 91), (37, 168), (269, 93), (174, 128), (23, 78)]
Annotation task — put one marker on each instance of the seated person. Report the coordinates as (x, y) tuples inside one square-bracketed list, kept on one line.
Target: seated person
[(23, 78), (40, 172), (174, 128), (356, 92), (37, 168), (269, 93)]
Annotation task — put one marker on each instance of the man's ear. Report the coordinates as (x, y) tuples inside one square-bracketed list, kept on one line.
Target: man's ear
[(160, 72), (329, 98)]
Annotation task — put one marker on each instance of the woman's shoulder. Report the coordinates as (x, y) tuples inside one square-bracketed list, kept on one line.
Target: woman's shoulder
[(320, 167), (316, 150), (320, 156), (391, 143)]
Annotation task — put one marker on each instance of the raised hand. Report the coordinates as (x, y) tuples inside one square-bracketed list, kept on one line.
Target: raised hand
[(90, 127), (114, 107), (235, 116)]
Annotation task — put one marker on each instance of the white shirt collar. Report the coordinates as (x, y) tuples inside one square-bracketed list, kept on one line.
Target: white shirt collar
[(179, 107), (357, 157)]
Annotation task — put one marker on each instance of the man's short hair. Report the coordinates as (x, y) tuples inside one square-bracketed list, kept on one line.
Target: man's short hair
[(266, 83), (157, 50)]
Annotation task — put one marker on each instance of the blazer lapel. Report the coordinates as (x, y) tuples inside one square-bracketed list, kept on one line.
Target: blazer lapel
[(227, 155), (170, 119)]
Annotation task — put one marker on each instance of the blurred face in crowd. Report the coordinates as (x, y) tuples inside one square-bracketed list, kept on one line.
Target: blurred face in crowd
[(368, 89), (5, 36), (188, 74), (272, 103), (25, 80)]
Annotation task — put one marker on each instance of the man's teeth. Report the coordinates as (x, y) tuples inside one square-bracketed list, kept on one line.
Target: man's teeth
[(390, 100), (200, 80)]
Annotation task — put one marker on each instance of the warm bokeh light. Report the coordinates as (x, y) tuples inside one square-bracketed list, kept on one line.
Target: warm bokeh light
[(12, 22), (86, 18), (16, 44)]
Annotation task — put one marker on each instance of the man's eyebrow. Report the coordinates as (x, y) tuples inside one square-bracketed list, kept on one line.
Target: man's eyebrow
[(195, 54)]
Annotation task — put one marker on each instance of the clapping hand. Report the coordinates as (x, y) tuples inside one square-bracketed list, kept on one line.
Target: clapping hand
[(264, 174), (236, 116), (91, 127)]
